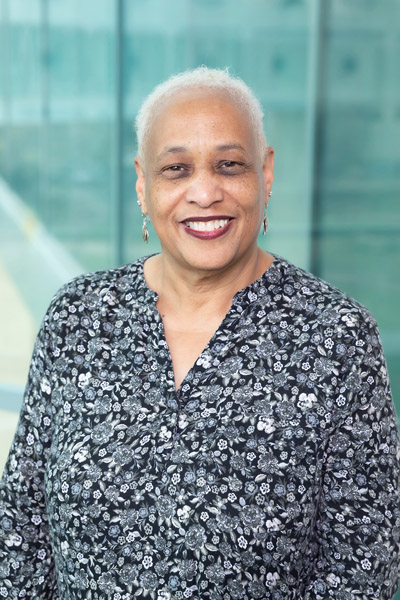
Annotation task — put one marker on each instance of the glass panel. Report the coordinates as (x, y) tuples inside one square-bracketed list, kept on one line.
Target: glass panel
[(270, 53), (358, 247), (57, 163), (79, 138)]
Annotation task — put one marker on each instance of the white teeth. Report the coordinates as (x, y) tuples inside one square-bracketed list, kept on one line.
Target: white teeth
[(207, 225)]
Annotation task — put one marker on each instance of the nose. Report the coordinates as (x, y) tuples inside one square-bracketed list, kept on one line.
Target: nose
[(204, 189)]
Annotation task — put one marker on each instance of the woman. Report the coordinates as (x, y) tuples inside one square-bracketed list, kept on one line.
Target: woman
[(212, 421)]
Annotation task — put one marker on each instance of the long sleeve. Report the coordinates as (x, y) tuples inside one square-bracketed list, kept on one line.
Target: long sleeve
[(358, 527), (26, 562)]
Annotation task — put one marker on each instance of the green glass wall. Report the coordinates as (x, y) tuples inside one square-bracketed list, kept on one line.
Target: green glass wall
[(72, 76), (356, 223)]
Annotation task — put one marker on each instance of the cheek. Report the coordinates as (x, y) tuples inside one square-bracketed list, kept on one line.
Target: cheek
[(250, 198), (161, 200), (151, 201)]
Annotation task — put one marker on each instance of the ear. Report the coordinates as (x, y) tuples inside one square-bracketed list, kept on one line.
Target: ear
[(140, 185), (268, 171)]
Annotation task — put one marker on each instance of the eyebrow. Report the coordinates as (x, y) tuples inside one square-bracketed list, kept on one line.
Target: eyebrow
[(221, 147), (231, 147), (172, 150)]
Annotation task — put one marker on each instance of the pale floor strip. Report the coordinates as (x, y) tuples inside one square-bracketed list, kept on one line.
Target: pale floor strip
[(18, 332), (17, 335), (8, 424)]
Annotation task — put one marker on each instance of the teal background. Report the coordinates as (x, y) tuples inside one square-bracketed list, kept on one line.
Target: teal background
[(73, 74)]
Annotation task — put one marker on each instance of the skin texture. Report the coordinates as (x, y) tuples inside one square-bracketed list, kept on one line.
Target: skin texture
[(202, 162)]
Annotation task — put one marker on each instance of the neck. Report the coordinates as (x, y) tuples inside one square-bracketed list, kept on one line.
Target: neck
[(189, 290)]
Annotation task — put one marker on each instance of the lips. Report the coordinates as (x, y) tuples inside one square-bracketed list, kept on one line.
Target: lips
[(207, 228)]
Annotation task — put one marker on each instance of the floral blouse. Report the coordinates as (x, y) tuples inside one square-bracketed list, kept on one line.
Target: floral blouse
[(272, 473)]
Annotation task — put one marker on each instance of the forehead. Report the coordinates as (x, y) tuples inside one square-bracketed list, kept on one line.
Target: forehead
[(200, 116)]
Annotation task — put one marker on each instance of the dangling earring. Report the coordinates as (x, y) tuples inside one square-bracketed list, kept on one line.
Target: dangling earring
[(265, 218), (265, 221), (145, 231)]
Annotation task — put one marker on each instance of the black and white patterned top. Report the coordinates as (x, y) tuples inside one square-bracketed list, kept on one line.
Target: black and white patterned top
[(272, 473)]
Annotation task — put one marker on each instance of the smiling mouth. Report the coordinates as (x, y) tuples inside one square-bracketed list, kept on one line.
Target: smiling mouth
[(211, 225)]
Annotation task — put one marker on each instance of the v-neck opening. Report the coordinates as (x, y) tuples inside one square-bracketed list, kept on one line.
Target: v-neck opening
[(236, 304)]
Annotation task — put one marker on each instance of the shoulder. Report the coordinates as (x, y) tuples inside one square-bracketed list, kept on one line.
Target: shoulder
[(120, 277), (329, 306), (339, 334), (93, 292)]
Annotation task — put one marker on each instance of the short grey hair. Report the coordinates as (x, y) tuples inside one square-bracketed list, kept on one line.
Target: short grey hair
[(203, 78)]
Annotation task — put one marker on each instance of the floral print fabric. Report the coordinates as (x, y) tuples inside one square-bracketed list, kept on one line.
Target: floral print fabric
[(272, 473)]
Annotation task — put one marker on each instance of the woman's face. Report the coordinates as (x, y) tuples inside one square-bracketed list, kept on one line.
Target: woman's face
[(203, 185)]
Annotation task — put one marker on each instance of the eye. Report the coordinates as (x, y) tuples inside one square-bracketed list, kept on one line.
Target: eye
[(231, 167), (175, 171), (174, 168)]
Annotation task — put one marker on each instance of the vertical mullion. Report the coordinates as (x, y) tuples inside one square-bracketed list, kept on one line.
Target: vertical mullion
[(118, 158), (5, 55), (318, 50), (313, 127), (5, 92), (45, 58), (43, 200)]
